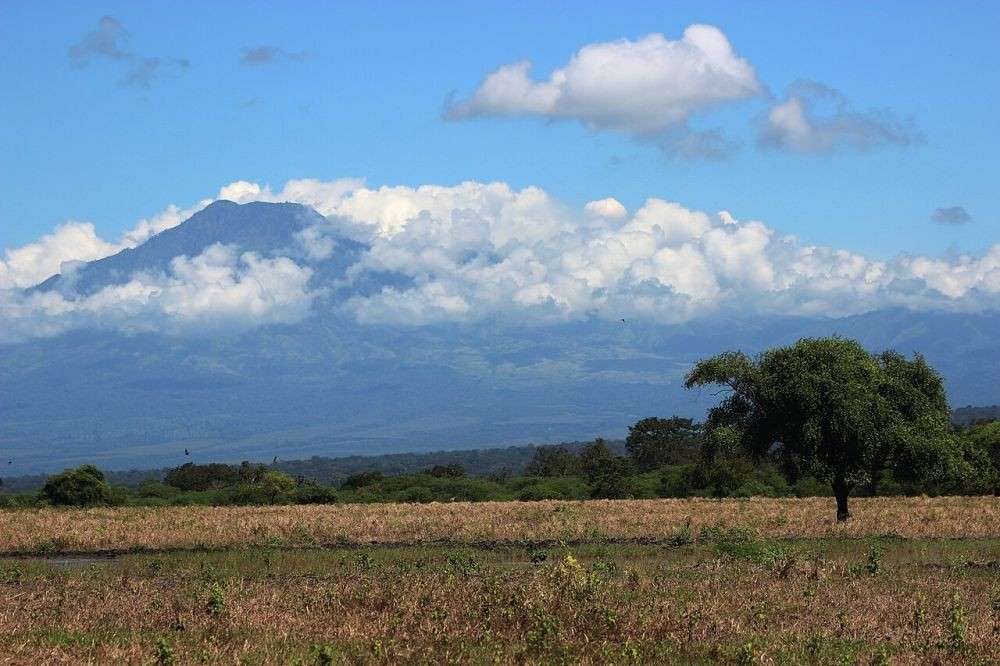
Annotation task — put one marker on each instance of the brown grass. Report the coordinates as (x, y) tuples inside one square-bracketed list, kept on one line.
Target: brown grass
[(127, 529), (625, 605)]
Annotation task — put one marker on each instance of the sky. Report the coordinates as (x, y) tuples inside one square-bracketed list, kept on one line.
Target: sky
[(866, 128)]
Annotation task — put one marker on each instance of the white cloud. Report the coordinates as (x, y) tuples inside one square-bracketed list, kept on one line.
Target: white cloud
[(30, 264), (218, 289), (643, 87), (818, 119), (610, 208), (486, 250)]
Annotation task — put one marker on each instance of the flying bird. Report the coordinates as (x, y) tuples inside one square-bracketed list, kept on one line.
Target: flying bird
[(186, 452), (275, 460)]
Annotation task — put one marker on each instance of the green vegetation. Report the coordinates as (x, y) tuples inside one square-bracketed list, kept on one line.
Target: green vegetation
[(821, 417)]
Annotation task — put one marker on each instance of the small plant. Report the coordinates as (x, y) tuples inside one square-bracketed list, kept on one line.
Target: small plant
[(919, 618), (881, 657), (843, 622), (325, 654), (216, 600), (365, 561), (461, 563), (746, 654), (876, 551), (958, 625), (164, 653), (539, 556)]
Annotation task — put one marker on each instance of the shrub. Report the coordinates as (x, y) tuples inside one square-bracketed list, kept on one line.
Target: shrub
[(201, 477), (314, 493), (452, 471), (564, 488), (553, 461), (362, 480), (156, 489), (83, 486)]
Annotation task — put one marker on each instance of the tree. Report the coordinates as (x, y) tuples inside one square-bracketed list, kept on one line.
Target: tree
[(450, 471), (654, 442), (83, 486), (553, 461), (275, 485), (595, 458), (613, 480), (362, 479), (190, 477), (827, 408)]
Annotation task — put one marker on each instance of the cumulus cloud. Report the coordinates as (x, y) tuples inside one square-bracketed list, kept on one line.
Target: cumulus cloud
[(951, 215), (255, 56), (218, 289), (815, 118), (645, 88), (610, 208), (473, 251), (109, 42), (30, 264), (476, 250)]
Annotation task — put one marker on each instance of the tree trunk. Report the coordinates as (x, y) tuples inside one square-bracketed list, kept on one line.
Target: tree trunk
[(842, 513), (840, 491)]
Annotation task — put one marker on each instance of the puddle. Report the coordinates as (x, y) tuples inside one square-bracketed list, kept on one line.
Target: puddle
[(65, 561)]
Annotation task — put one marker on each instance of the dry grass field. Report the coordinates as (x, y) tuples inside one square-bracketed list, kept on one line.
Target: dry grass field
[(676, 582), (737, 600), (150, 529)]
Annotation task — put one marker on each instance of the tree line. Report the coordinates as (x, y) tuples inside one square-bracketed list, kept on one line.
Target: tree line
[(819, 417)]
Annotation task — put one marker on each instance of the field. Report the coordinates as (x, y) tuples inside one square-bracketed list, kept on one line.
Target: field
[(671, 581)]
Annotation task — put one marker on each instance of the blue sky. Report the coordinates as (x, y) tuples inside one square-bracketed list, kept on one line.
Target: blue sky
[(366, 98)]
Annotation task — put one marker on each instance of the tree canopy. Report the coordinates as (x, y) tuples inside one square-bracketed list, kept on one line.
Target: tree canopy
[(828, 408), (83, 486), (654, 442)]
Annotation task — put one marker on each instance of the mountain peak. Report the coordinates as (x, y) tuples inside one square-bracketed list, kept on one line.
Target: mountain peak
[(262, 227)]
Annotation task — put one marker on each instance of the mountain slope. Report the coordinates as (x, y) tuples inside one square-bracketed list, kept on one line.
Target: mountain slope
[(264, 228), (330, 386)]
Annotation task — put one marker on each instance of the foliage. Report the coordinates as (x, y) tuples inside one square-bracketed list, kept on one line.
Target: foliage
[(827, 408), (83, 486), (656, 442), (553, 461), (595, 458), (190, 476), (450, 471), (362, 479)]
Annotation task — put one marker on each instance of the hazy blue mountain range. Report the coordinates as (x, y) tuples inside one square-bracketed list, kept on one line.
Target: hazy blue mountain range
[(329, 386)]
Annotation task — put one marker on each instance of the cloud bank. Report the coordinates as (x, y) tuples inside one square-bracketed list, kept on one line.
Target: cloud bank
[(474, 251)]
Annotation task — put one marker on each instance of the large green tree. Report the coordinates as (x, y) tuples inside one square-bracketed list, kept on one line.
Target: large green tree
[(827, 408)]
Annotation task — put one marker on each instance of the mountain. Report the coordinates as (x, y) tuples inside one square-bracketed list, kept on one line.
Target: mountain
[(329, 386)]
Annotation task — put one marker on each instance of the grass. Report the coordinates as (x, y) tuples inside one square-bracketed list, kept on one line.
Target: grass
[(738, 582), (126, 529), (930, 601)]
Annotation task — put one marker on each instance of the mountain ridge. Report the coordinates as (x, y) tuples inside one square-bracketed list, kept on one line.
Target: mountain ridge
[(328, 385)]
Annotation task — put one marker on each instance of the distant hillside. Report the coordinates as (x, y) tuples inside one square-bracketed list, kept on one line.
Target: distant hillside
[(967, 415), (330, 386), (331, 471)]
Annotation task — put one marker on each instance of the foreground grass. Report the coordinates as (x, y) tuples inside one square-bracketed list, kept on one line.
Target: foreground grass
[(151, 529), (733, 598)]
